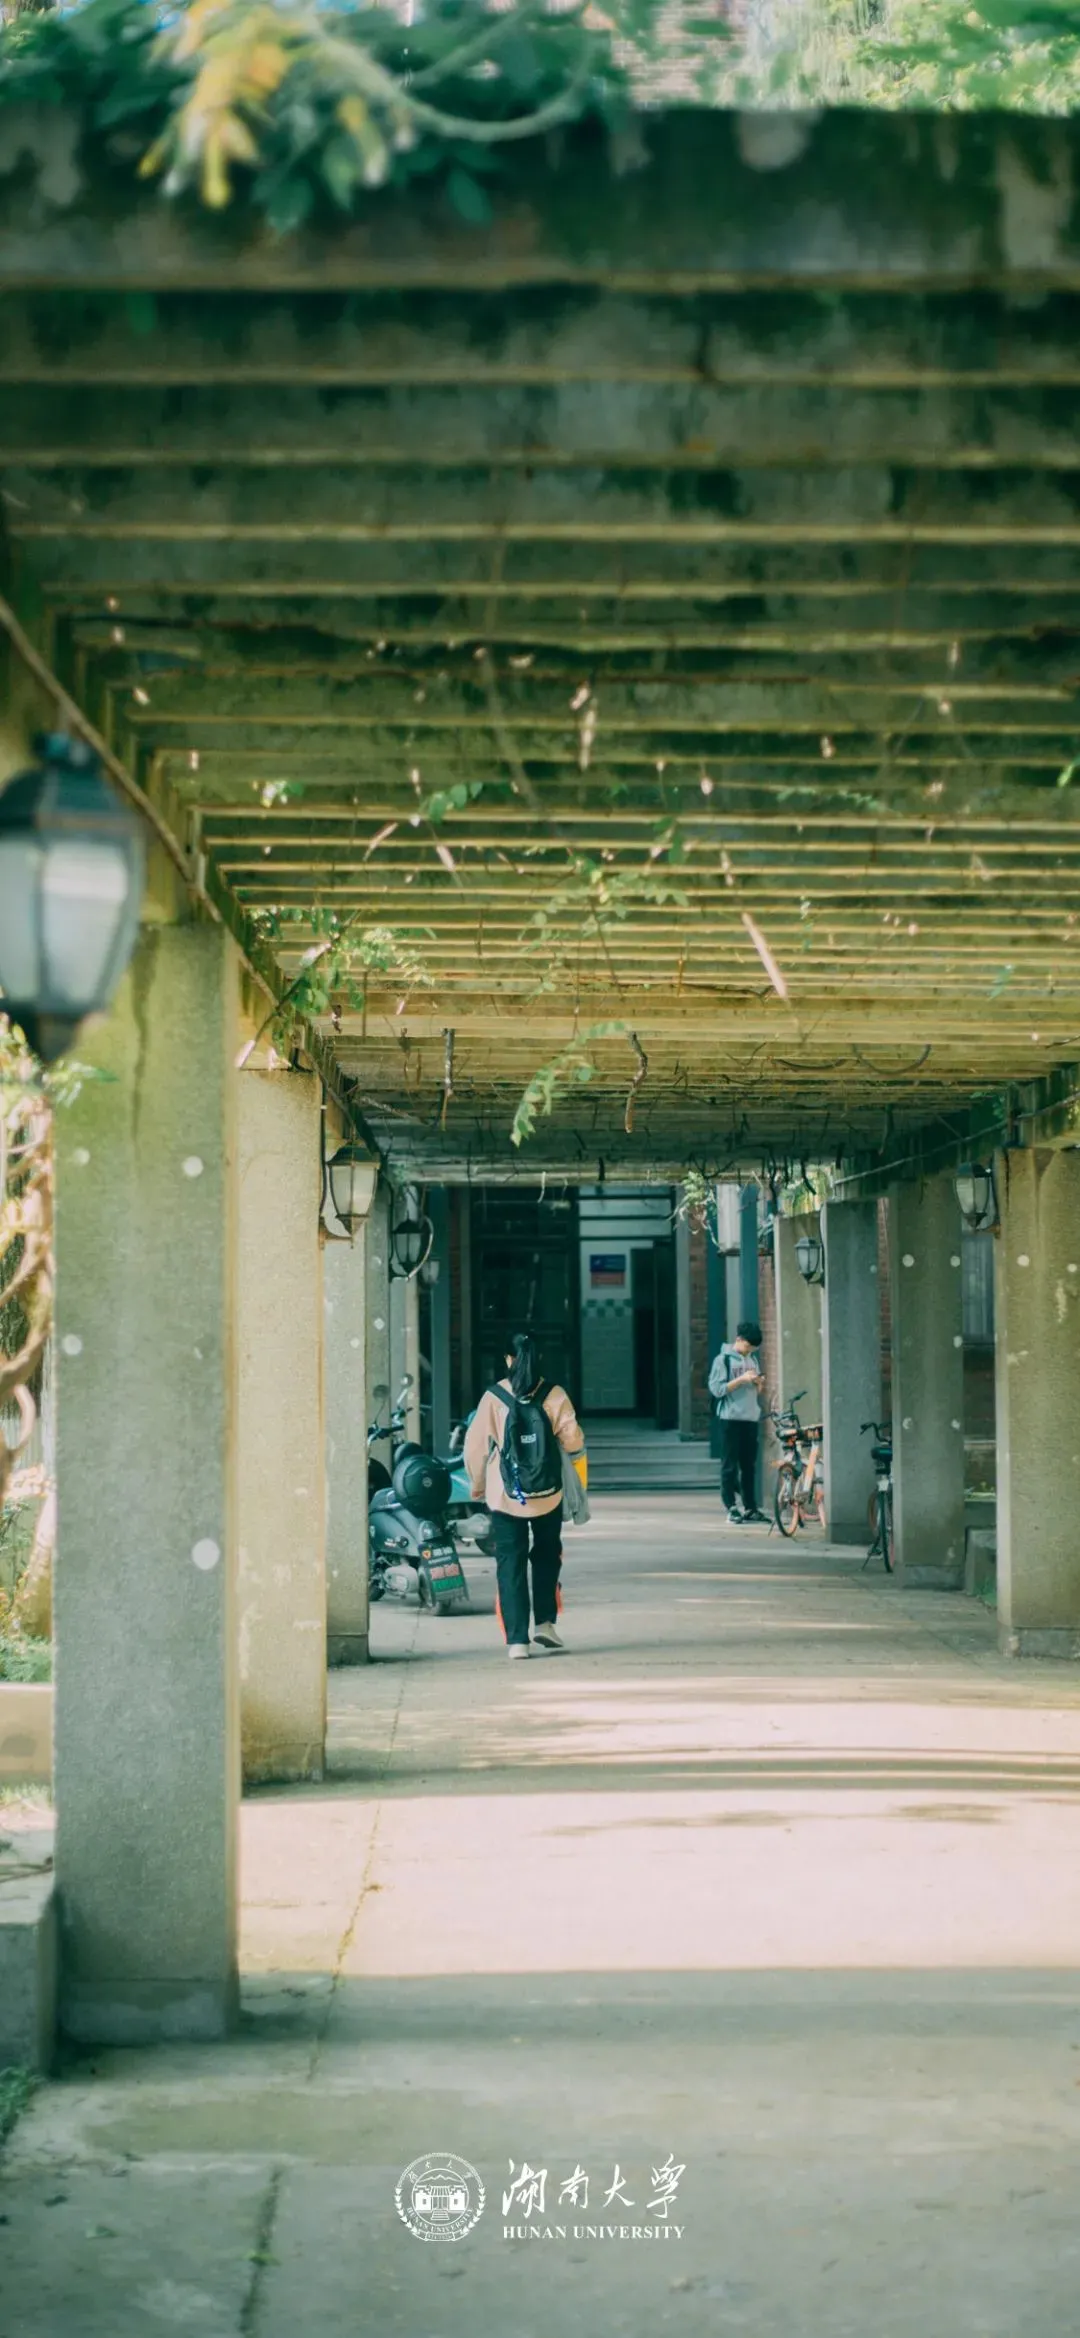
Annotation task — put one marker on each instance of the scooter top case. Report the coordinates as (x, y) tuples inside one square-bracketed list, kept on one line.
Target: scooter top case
[(422, 1543)]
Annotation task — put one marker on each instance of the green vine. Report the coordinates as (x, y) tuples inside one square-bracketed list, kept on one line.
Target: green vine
[(334, 970), (304, 107), (572, 1068), (300, 108)]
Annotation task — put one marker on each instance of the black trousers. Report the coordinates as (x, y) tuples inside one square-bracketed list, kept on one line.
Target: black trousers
[(512, 1555), (738, 1463)]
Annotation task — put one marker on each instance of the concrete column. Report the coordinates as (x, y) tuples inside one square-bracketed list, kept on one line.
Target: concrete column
[(1037, 1341), (377, 1278), (280, 1428), (851, 1356), (345, 1376), (798, 1321), (147, 1768), (926, 1289)]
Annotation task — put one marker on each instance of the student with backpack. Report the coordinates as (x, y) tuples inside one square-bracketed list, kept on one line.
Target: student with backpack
[(513, 1452), (736, 1381)]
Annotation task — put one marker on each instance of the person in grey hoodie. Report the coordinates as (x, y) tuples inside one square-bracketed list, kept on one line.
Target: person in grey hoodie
[(736, 1381)]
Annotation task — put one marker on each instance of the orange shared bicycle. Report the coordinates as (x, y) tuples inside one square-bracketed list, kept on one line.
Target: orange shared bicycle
[(800, 1476)]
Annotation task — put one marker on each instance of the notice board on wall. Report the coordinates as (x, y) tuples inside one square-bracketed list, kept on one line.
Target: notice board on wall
[(607, 1270)]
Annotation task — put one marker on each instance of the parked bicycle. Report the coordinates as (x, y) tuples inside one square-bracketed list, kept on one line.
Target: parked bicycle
[(880, 1505), (799, 1499)]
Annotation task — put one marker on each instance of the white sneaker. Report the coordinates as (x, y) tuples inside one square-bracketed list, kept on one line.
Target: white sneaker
[(517, 1650), (547, 1636)]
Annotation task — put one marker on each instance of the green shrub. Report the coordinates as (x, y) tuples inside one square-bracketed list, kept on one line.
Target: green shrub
[(22, 1657), (17, 1520)]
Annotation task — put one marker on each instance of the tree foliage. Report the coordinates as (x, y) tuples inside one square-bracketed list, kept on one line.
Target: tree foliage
[(302, 108)]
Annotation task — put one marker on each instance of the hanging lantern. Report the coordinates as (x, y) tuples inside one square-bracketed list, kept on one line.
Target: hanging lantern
[(410, 1247), (977, 1196), (810, 1258), (352, 1176), (71, 885)]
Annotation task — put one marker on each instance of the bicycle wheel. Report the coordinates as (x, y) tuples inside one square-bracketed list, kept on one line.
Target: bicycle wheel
[(786, 1502), (885, 1529)]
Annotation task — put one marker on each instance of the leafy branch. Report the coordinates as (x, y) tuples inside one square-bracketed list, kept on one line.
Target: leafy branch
[(334, 970), (572, 1068)]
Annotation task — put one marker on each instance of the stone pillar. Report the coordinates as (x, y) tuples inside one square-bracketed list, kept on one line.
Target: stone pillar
[(926, 1289), (851, 1362), (345, 1376), (279, 1423), (147, 1768), (377, 1278), (798, 1321), (1037, 1315)]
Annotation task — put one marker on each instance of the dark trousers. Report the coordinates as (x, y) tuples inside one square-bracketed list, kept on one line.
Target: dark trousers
[(738, 1463), (511, 1537)]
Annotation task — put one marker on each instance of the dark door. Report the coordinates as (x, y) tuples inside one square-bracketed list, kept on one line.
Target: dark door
[(667, 1361), (643, 1302), (525, 1278)]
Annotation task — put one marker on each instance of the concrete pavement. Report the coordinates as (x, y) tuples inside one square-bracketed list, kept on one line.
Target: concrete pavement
[(772, 1877)]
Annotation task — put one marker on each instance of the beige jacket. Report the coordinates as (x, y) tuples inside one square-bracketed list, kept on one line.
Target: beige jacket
[(483, 1440)]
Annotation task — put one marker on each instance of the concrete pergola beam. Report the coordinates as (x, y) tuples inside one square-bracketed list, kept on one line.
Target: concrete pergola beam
[(847, 339), (719, 201), (597, 424)]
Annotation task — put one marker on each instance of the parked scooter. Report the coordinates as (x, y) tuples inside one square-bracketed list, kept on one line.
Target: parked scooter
[(469, 1519), (410, 1544)]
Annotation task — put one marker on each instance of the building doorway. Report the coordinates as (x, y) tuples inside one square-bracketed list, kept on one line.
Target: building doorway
[(629, 1363)]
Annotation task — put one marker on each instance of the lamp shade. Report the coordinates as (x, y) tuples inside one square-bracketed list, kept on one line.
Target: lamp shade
[(976, 1194), (410, 1246), (810, 1258), (71, 884), (352, 1176)]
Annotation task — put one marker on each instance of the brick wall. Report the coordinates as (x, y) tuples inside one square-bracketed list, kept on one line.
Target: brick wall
[(700, 1359)]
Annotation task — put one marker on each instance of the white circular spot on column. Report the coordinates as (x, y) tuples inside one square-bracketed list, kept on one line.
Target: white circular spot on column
[(354, 1343), (955, 1259), (379, 1322), (1023, 1259), (1072, 1270), (71, 1344), (958, 1339), (908, 1424), (907, 1259), (955, 1424), (206, 1553), (79, 1157), (192, 1167)]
